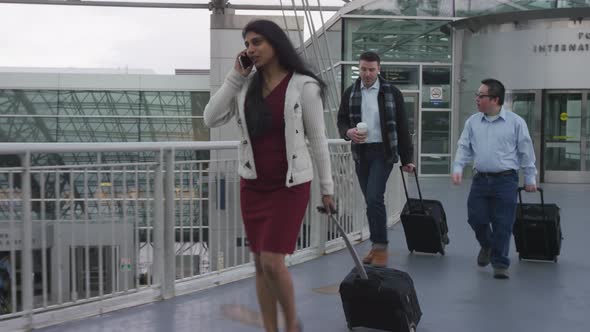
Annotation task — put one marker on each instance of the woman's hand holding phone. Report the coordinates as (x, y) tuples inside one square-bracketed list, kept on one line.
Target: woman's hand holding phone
[(243, 64)]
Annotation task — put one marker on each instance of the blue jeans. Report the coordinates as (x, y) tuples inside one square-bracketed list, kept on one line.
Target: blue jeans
[(373, 171), (492, 200)]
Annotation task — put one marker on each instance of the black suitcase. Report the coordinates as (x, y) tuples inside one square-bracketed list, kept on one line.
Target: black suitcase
[(537, 230), (378, 298), (424, 222), (386, 300)]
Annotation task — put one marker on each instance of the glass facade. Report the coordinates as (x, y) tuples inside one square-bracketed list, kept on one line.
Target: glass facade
[(43, 116), (483, 7), (415, 45), (460, 8), (397, 40), (101, 116), (407, 8), (416, 55)]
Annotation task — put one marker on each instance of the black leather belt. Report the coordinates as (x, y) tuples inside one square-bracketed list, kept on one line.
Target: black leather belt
[(488, 174)]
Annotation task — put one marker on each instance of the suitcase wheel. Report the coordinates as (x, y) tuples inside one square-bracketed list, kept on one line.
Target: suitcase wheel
[(555, 259), (446, 239), (349, 326), (442, 252)]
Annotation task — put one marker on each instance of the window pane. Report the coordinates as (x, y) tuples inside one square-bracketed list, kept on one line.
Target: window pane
[(99, 103), (98, 129), (173, 129), (435, 132), (28, 102), (397, 40), (23, 129), (95, 116), (167, 103), (198, 102), (435, 165), (436, 87)]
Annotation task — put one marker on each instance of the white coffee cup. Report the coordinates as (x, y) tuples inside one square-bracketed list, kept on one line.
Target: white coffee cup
[(362, 128)]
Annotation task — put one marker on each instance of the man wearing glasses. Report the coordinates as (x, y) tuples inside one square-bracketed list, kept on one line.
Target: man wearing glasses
[(499, 144)]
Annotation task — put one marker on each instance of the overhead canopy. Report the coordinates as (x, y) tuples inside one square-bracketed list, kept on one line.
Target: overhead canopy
[(476, 22)]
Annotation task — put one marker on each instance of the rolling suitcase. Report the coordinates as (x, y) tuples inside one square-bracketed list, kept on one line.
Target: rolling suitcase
[(537, 230), (424, 222), (378, 298)]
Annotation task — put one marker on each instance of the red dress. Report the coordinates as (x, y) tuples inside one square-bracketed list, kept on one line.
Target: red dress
[(272, 212)]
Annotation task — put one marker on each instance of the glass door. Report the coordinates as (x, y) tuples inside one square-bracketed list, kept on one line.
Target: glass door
[(565, 137)]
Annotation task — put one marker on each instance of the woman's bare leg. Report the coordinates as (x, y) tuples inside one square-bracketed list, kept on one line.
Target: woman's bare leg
[(266, 298), (280, 283)]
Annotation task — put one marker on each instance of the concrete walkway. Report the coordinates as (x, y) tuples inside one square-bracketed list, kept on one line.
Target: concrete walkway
[(454, 293)]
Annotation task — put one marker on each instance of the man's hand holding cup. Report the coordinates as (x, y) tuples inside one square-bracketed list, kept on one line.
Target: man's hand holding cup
[(358, 134)]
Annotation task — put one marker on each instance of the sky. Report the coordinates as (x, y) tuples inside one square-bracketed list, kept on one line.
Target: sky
[(113, 37)]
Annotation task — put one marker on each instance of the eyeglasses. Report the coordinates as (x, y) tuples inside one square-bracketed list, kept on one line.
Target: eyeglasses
[(478, 96)]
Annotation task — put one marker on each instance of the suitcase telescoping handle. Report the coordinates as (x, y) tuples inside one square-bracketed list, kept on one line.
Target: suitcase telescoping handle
[(406, 188), (355, 257), (540, 190)]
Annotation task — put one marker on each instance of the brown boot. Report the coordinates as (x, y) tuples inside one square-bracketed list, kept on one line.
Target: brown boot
[(380, 257), (369, 258)]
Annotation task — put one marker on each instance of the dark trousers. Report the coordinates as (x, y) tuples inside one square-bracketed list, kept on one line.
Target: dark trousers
[(492, 201), (373, 171)]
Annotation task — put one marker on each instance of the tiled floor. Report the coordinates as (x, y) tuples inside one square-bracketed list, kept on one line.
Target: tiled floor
[(455, 294)]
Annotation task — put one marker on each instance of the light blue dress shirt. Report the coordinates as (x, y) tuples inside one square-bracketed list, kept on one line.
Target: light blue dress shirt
[(370, 112), (496, 145)]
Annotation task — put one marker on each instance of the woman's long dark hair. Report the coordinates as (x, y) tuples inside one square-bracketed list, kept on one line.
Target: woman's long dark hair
[(258, 117)]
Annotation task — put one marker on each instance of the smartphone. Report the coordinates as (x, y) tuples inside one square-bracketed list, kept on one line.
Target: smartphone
[(245, 61)]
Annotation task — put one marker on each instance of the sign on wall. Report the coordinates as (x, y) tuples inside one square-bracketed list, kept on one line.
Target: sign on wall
[(436, 93), (580, 45)]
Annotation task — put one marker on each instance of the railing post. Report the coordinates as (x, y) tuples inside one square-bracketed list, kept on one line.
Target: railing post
[(27, 241), (169, 223), (158, 245)]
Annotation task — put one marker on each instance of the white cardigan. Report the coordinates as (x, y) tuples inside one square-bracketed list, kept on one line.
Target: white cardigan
[(304, 118)]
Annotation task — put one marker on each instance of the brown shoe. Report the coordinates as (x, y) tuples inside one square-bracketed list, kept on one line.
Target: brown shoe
[(369, 258), (380, 257)]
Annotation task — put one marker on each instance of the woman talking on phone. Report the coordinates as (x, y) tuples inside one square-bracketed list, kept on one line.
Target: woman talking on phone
[(276, 107)]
